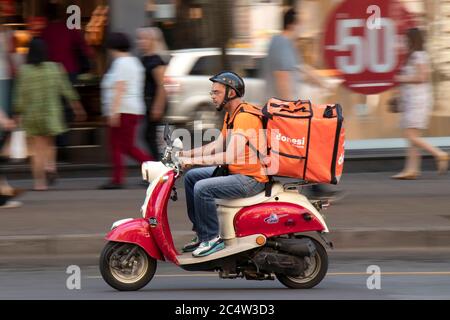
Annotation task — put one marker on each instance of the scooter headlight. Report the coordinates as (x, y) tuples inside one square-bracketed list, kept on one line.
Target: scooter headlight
[(152, 169), (144, 171), (147, 173)]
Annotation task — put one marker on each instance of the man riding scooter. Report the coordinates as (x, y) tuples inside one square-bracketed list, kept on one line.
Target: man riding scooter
[(277, 233), (237, 178)]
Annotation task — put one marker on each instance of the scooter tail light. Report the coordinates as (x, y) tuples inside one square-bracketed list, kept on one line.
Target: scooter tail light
[(321, 204)]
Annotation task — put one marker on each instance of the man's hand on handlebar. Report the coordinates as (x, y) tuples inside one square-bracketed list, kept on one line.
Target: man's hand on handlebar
[(185, 163)]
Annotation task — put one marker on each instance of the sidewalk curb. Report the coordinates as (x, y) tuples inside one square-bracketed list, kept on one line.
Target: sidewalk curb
[(92, 244), (390, 238), (357, 161)]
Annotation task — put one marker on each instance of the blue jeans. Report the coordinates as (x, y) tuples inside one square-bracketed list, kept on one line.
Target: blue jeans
[(201, 190)]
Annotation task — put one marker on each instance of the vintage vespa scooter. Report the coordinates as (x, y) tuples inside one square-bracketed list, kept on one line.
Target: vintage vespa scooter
[(281, 235)]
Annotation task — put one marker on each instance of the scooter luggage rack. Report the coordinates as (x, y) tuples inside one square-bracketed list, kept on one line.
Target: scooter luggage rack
[(297, 185), (318, 204)]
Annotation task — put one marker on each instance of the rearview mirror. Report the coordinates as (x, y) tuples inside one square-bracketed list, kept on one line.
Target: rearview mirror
[(167, 134), (177, 144)]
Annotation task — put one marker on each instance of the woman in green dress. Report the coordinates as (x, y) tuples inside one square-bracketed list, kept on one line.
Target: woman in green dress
[(37, 101)]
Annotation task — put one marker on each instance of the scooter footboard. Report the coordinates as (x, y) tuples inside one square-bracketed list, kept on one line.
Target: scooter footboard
[(136, 231)]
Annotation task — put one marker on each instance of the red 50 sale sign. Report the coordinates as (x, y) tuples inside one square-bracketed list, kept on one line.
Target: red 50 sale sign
[(363, 40)]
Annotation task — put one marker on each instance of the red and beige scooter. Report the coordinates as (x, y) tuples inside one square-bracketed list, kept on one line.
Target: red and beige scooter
[(280, 236)]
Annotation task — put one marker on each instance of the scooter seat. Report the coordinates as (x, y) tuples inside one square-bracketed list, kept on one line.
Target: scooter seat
[(245, 202)]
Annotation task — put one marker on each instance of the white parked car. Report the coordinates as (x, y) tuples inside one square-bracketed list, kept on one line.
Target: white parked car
[(188, 86)]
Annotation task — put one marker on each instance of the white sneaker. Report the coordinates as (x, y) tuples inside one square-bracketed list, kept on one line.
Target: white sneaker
[(11, 205), (208, 247)]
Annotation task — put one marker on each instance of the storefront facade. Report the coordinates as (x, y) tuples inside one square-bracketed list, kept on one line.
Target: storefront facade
[(209, 23), (367, 116)]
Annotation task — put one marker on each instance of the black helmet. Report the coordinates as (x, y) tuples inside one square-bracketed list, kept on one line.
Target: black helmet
[(231, 80)]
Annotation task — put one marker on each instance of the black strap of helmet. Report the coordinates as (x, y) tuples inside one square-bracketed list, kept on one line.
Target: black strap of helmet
[(226, 99)]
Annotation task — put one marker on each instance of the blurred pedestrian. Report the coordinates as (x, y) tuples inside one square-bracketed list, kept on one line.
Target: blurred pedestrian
[(7, 193), (123, 105), (416, 102), (7, 68), (284, 69), (37, 102), (67, 47), (285, 73), (153, 49), (4, 70)]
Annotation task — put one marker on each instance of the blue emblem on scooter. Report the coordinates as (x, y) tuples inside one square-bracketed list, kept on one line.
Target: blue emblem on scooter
[(272, 219), (153, 222)]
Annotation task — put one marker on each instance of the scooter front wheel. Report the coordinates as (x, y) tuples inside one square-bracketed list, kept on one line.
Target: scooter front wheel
[(126, 266)]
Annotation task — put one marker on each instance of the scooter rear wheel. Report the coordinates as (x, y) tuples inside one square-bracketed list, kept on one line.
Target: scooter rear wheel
[(126, 266), (313, 275)]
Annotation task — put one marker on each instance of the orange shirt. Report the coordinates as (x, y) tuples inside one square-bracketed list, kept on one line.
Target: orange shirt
[(249, 126)]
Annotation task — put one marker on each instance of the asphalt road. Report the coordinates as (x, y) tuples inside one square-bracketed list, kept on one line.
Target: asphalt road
[(404, 275), (373, 201)]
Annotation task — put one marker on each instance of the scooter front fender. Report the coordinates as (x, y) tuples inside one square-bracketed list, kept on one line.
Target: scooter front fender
[(136, 231)]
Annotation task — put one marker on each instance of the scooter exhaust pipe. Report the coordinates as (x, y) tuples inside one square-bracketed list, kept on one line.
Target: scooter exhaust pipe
[(297, 247)]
